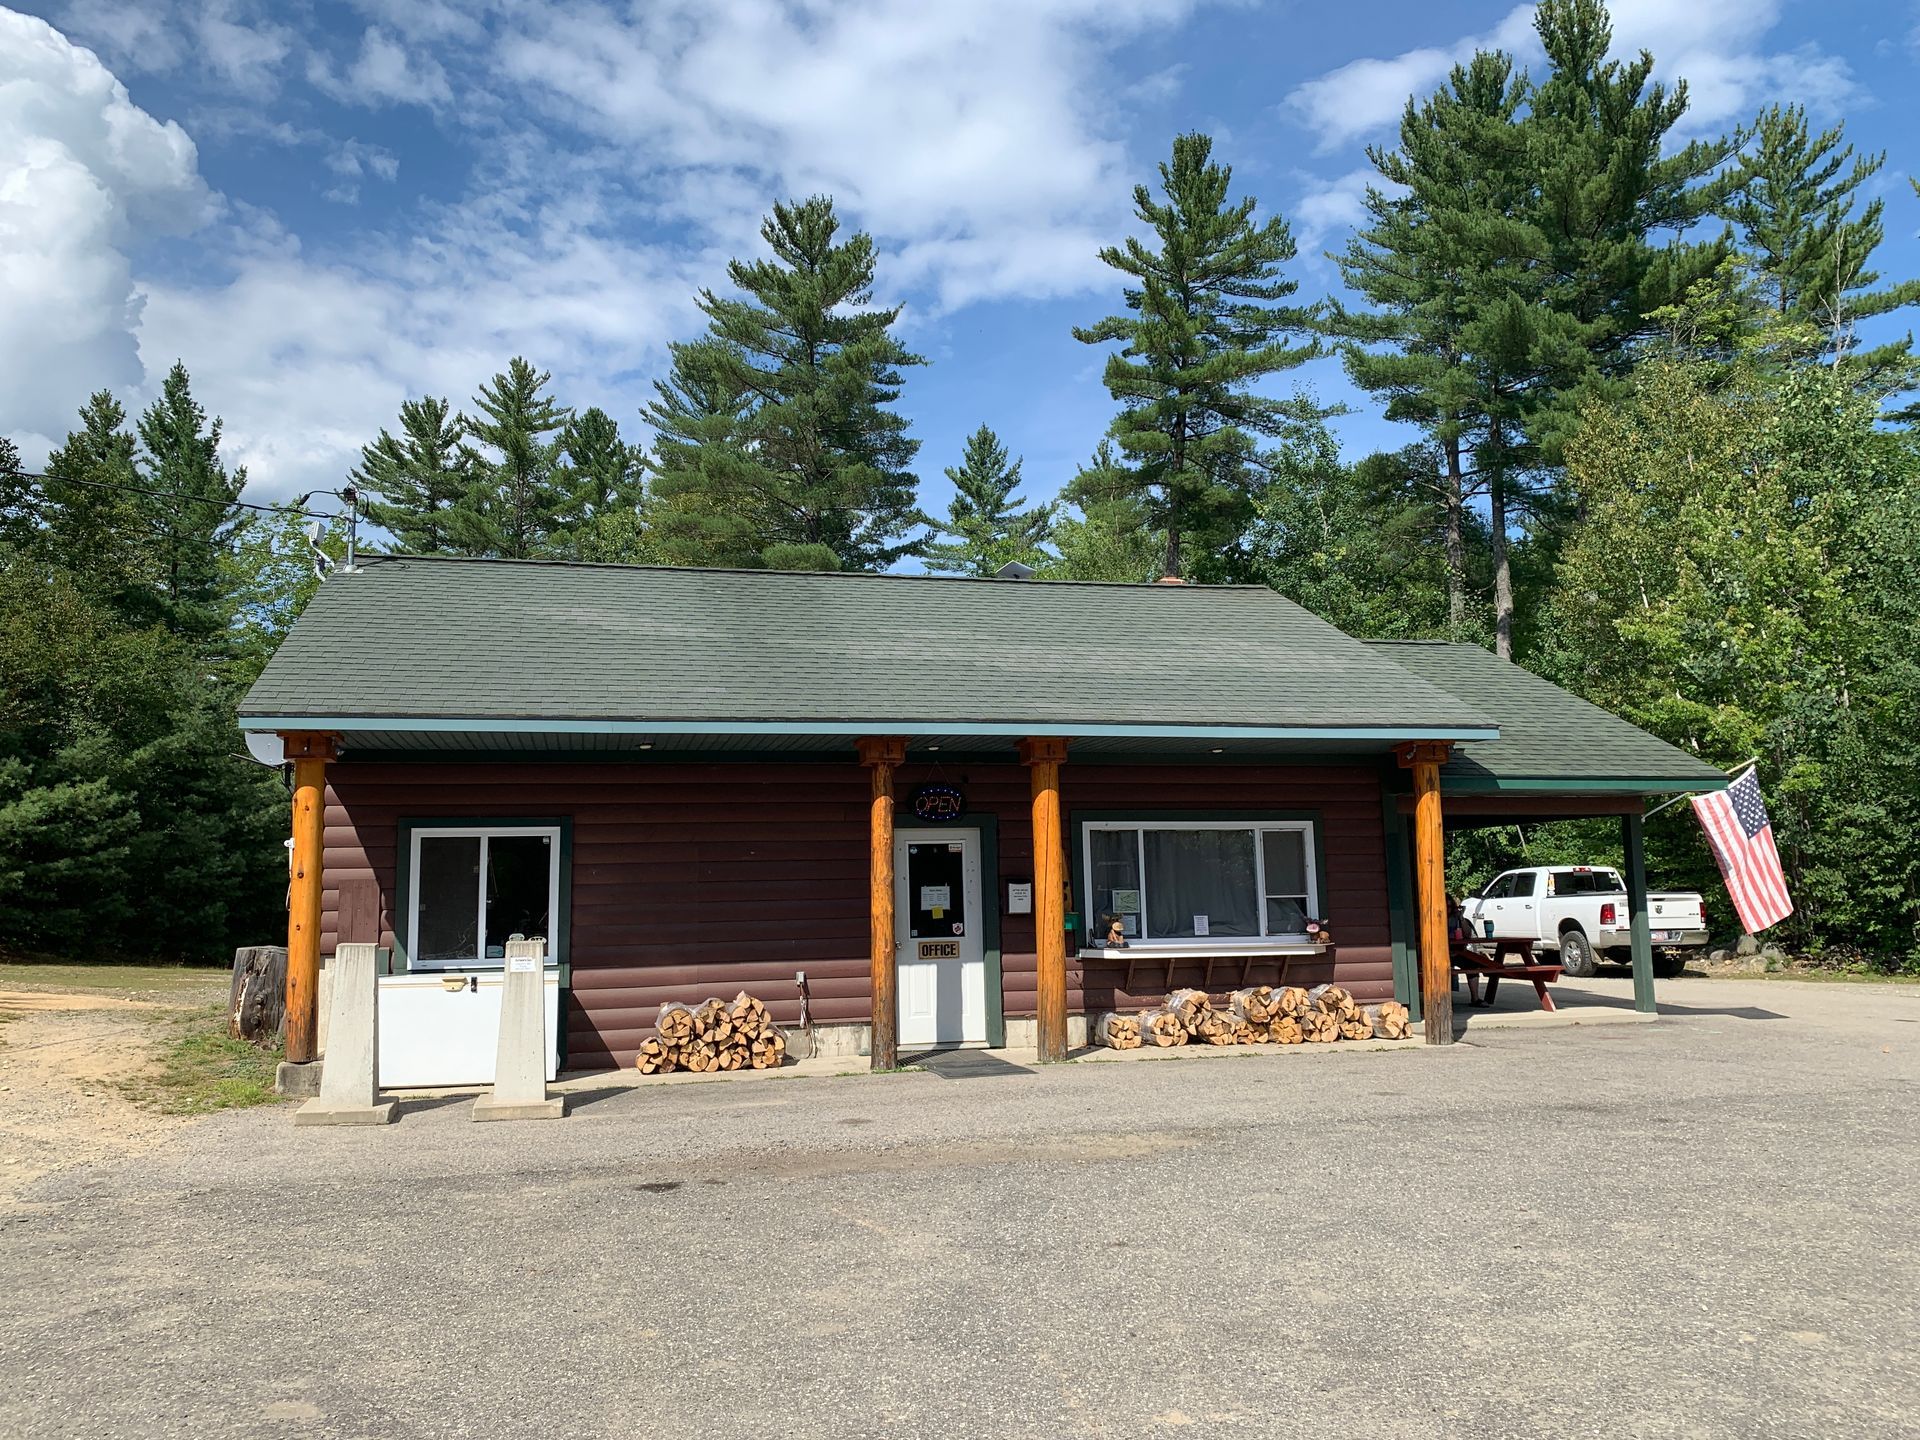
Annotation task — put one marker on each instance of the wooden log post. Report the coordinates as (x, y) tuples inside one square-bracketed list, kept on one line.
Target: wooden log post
[(1424, 758), (882, 756), (1043, 758), (309, 754)]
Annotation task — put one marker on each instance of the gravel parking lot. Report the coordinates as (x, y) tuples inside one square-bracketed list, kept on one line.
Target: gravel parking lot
[(1700, 1227)]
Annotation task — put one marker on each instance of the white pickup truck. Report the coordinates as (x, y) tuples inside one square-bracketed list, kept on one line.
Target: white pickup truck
[(1581, 912)]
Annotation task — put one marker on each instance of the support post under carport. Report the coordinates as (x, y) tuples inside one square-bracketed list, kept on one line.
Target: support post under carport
[(1632, 833)]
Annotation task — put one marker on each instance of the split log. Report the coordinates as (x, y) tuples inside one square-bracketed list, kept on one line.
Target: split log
[(1332, 1000), (700, 1057), (1319, 1027), (257, 996), (655, 1058), (1286, 1030), (713, 1023), (1120, 1032), (1256, 1005), (1294, 1002), (768, 1049), (675, 1023), (1257, 1034), (1161, 1028)]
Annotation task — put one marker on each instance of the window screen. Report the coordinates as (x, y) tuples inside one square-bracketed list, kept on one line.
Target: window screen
[(446, 899)]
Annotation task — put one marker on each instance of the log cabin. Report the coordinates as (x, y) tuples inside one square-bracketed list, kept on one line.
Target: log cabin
[(905, 811)]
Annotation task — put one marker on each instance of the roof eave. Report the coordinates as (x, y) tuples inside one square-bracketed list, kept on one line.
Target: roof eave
[(422, 724)]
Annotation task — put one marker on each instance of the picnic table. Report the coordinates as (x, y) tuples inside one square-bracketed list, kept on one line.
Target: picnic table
[(1493, 969)]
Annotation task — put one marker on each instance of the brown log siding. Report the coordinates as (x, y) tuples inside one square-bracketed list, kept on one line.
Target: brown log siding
[(690, 880)]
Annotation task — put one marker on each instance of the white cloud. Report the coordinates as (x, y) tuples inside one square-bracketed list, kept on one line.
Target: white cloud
[(1332, 206), (237, 42), (1715, 45), (973, 138), (83, 171), (384, 72)]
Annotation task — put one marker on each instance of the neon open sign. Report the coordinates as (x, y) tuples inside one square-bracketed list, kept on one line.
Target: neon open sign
[(938, 803)]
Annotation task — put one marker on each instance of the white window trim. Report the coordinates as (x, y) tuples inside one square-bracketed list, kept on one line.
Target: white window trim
[(1304, 828), (483, 833)]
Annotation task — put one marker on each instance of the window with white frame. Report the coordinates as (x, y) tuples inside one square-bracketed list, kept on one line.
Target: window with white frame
[(1179, 881), (473, 888)]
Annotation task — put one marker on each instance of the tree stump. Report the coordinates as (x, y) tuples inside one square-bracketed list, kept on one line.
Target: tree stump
[(257, 995)]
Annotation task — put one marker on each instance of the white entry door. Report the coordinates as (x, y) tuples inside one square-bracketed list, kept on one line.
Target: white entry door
[(939, 937)]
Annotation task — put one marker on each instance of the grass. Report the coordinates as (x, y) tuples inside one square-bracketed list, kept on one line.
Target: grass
[(199, 1068), (129, 981)]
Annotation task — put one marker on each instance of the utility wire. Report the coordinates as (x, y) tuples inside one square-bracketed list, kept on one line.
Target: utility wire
[(175, 495)]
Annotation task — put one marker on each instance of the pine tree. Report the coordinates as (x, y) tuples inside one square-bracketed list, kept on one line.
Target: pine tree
[(413, 482), (518, 492), (193, 515), (1458, 176), (1202, 329), (1107, 535), (93, 523), (777, 444), (1795, 213), (988, 527), (1531, 260), (601, 520)]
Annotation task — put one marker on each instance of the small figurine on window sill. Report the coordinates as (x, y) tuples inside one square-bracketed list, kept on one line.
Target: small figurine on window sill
[(1116, 933), (1319, 933)]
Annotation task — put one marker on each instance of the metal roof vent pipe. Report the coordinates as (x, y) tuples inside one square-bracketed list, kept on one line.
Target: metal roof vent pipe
[(1014, 570)]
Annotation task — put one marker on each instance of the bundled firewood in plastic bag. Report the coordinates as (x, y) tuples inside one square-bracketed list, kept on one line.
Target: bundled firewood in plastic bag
[(1191, 1006), (713, 1022), (1161, 1028), (1294, 1001), (768, 1047), (1391, 1021), (656, 1057), (1120, 1032), (1357, 1026), (1216, 1027), (1319, 1027), (1286, 1030), (1256, 1005)]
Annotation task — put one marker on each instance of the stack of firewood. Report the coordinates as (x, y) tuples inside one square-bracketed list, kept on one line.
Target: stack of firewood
[(713, 1035), (1260, 1015)]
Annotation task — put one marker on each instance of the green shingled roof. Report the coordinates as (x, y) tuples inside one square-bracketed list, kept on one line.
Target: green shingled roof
[(1549, 737), (417, 645)]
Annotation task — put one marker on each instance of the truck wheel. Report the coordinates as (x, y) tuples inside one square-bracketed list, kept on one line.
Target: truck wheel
[(1576, 955), (1668, 963)]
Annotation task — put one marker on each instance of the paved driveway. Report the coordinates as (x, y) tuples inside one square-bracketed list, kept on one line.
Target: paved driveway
[(1701, 1227)]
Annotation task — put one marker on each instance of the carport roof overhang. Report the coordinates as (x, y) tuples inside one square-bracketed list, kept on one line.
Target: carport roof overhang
[(1556, 756)]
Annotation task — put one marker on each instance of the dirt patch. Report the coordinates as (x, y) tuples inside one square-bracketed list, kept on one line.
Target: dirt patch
[(63, 1061)]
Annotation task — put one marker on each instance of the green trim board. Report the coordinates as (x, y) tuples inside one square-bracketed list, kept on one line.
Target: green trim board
[(988, 826), (1400, 907)]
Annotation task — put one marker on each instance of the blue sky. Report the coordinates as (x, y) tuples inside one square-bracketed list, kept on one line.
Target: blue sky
[(325, 206)]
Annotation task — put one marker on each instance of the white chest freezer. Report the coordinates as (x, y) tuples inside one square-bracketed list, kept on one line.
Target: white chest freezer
[(436, 1032)]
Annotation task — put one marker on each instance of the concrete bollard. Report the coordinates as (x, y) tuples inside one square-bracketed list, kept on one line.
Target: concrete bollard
[(350, 1080), (520, 1067)]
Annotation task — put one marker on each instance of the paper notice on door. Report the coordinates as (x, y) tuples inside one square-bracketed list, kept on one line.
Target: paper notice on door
[(1200, 925), (935, 897), (523, 963), (1020, 898), (1126, 899)]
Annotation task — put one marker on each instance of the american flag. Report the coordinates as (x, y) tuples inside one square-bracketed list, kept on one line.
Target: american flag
[(1737, 827)]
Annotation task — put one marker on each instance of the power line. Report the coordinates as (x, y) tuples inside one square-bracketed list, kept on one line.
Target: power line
[(176, 495)]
